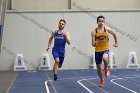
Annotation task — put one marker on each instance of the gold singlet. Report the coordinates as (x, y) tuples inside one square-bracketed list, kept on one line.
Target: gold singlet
[(103, 40)]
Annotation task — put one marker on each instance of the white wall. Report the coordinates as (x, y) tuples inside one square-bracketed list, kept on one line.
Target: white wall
[(40, 4), (67, 4), (108, 4), (26, 33)]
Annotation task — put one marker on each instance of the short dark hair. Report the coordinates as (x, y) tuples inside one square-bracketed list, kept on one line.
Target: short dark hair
[(62, 20), (100, 17)]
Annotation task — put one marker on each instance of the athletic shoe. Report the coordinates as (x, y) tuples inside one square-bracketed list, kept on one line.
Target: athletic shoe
[(101, 84), (55, 77), (59, 65), (107, 73)]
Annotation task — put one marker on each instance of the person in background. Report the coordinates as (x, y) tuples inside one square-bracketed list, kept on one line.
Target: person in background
[(61, 37)]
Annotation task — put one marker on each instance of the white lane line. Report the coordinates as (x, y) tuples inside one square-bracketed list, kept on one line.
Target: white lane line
[(79, 81), (12, 83), (46, 82), (53, 87), (124, 86), (47, 88)]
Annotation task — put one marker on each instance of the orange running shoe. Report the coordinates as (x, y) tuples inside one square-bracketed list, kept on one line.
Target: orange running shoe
[(101, 84), (107, 73)]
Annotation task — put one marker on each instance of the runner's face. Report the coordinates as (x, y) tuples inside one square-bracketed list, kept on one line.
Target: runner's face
[(100, 22), (61, 25)]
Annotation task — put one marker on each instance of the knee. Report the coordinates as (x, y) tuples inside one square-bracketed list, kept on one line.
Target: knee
[(57, 60)]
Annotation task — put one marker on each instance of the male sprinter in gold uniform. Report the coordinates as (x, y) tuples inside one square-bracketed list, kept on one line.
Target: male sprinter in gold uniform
[(100, 40)]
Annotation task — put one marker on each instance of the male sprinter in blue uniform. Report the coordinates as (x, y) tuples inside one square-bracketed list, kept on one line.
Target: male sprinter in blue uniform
[(60, 39)]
